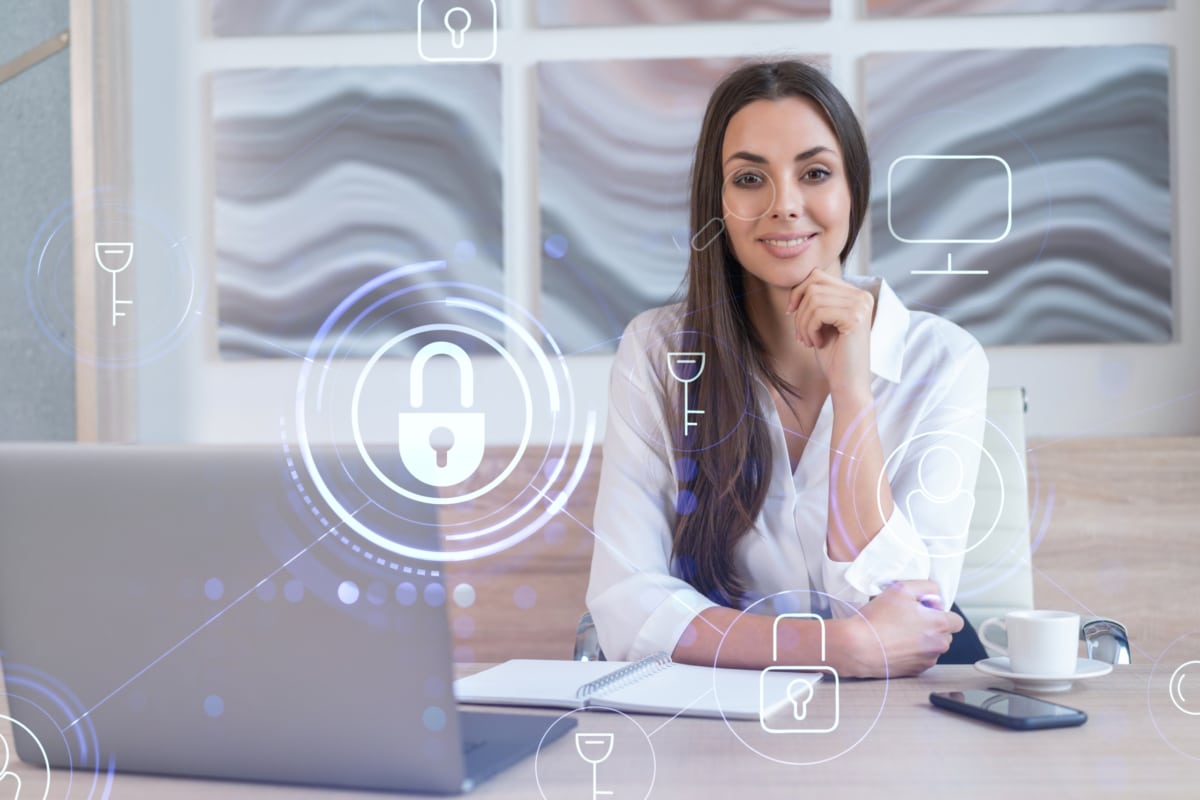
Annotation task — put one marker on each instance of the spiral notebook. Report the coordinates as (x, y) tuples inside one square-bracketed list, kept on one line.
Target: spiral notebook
[(654, 685)]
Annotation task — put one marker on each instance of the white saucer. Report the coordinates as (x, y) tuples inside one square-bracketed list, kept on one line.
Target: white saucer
[(1084, 668)]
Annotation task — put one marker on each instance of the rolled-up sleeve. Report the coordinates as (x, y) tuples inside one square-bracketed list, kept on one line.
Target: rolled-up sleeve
[(949, 425), (638, 605)]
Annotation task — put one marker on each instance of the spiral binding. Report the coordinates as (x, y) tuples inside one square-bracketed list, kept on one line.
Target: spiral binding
[(625, 676)]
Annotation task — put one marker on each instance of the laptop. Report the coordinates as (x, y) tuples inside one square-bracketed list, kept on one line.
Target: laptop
[(193, 611)]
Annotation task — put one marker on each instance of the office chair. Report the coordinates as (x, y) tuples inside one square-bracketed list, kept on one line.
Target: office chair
[(997, 574)]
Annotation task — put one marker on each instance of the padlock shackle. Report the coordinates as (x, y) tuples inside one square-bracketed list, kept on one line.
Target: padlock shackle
[(466, 373), (795, 615)]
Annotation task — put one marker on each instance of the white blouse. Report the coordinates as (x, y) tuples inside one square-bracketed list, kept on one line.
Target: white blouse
[(929, 380)]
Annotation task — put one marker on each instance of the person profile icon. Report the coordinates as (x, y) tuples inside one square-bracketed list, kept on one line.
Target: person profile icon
[(7, 778), (940, 474)]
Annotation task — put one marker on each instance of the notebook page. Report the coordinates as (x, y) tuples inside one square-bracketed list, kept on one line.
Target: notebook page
[(533, 682), (694, 692)]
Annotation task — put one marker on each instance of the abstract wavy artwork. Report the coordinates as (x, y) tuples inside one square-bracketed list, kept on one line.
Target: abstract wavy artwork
[(615, 148), (282, 17), (1025, 194), (915, 8), (564, 13), (327, 178)]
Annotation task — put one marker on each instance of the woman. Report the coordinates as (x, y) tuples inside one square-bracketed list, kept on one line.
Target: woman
[(817, 409)]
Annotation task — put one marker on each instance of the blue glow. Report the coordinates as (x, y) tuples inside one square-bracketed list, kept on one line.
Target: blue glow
[(214, 589), (435, 594), (406, 594), (685, 503), (685, 468), (434, 719), (214, 706), (293, 590), (556, 246), (348, 592)]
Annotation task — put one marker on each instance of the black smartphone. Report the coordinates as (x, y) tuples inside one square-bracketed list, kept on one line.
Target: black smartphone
[(1009, 709)]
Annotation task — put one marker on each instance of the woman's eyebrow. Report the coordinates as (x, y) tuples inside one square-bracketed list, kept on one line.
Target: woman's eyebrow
[(757, 159)]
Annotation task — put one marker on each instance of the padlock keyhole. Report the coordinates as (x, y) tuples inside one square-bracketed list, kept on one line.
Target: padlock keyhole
[(441, 439)]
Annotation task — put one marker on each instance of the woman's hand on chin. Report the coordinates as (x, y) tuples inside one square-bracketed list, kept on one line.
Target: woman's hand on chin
[(834, 318)]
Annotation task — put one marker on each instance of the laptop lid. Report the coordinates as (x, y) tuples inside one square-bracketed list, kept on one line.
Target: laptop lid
[(192, 611)]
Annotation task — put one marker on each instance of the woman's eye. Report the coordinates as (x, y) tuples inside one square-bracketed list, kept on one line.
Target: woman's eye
[(748, 180), (817, 174)]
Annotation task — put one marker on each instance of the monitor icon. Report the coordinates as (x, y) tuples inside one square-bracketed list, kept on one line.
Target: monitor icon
[(954, 176)]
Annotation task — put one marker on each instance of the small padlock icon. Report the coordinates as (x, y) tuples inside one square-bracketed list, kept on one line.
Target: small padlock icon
[(800, 692), (441, 448)]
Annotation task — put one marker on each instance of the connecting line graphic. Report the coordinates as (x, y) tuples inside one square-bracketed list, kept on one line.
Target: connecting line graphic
[(1056, 585), (679, 713), (210, 621), (278, 346)]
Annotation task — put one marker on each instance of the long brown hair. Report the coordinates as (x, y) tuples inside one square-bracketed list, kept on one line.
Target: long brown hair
[(724, 485)]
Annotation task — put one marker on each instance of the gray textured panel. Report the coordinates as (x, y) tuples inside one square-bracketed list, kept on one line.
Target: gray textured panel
[(35, 159), (902, 8), (559, 13), (269, 17), (326, 178), (1084, 133), (616, 145)]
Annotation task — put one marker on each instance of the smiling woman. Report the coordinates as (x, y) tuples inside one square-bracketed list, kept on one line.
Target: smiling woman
[(765, 476)]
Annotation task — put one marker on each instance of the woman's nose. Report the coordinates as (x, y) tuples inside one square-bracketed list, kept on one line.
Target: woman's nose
[(788, 202)]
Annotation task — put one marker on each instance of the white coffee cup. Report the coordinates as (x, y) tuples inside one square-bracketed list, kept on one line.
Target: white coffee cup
[(1039, 642)]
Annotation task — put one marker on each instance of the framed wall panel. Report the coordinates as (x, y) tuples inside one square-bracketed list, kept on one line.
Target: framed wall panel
[(325, 178), (913, 8), (283, 17), (1026, 194), (566, 13), (616, 144)]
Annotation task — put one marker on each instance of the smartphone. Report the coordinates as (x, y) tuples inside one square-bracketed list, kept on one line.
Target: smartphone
[(1009, 709)]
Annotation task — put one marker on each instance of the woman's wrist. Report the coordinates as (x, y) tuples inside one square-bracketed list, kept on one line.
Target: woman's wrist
[(847, 646)]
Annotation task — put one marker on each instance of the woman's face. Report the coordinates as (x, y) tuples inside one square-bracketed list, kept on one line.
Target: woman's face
[(786, 196)]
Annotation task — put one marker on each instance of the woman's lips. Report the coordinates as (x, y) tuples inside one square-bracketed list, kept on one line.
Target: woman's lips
[(787, 245)]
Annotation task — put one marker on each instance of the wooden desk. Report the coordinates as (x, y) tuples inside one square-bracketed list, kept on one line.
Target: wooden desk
[(913, 751)]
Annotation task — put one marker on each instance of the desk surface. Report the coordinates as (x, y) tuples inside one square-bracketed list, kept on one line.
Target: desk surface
[(1135, 744)]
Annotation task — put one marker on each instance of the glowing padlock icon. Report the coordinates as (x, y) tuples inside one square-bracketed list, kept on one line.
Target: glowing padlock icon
[(441, 448), (800, 692)]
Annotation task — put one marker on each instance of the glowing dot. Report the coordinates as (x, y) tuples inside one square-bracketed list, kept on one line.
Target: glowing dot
[(685, 503), (434, 719), (464, 627), (214, 706), (348, 592), (689, 636), (265, 591), (550, 468), (435, 594), (464, 654), (464, 250), (685, 468), (293, 590), (525, 597), (556, 246), (464, 595), (555, 532), (406, 594), (214, 589), (377, 593)]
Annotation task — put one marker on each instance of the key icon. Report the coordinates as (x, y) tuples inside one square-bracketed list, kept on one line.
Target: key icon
[(114, 257), (685, 368)]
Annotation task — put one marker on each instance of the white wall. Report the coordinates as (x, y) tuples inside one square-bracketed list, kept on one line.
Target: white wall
[(1078, 390)]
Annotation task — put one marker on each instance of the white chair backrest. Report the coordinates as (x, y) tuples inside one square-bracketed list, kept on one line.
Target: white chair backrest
[(997, 571)]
